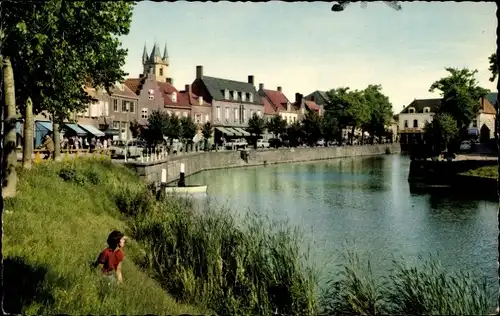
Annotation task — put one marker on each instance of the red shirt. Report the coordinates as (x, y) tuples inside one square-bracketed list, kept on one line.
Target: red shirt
[(110, 259)]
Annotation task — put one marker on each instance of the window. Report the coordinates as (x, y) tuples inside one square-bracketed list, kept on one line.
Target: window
[(239, 95), (174, 97), (124, 106), (115, 105), (185, 114), (247, 96), (415, 123), (116, 125), (235, 115), (218, 113), (250, 98), (124, 125), (411, 110), (474, 123), (226, 94), (427, 110), (231, 95), (132, 107), (244, 115), (207, 118), (227, 113), (151, 97), (161, 71), (406, 123), (144, 113), (243, 97), (178, 113), (197, 118), (259, 113)]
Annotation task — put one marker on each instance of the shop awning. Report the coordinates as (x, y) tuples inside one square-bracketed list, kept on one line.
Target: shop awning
[(224, 131), (44, 125), (234, 131), (92, 130), (242, 131), (19, 127), (112, 132), (75, 129)]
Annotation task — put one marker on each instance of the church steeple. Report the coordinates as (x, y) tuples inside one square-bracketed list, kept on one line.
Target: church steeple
[(155, 53), (144, 55), (165, 52)]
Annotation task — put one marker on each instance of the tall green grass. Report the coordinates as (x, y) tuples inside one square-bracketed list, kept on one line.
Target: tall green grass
[(55, 227), (250, 266), (427, 289)]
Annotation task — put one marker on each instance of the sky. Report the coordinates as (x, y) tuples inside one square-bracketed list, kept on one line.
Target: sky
[(304, 46)]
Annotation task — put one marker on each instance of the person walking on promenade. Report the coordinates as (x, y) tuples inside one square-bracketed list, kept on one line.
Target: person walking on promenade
[(48, 145), (110, 259)]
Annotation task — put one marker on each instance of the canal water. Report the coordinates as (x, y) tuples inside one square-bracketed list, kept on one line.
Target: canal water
[(365, 205)]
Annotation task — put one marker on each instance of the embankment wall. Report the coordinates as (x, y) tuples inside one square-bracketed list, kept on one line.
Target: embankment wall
[(196, 162)]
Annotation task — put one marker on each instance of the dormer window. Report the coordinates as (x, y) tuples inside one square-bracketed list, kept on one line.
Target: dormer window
[(151, 91), (174, 97), (427, 110), (231, 95), (226, 94), (411, 110), (243, 97), (239, 96), (200, 100), (250, 97)]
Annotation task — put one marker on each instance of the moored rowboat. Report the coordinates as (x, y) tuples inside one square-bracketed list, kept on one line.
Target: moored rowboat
[(187, 189)]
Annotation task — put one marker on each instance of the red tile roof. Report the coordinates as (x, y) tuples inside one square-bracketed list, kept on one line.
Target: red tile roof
[(190, 98), (312, 105), (135, 84), (269, 109), (126, 92), (277, 99)]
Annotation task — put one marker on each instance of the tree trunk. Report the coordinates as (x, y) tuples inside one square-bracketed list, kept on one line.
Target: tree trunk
[(9, 180), (57, 140), (497, 105), (28, 134)]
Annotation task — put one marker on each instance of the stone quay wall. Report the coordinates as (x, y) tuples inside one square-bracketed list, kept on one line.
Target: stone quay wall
[(199, 161)]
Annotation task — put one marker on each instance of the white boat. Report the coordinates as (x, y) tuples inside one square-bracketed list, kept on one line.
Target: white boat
[(187, 189)]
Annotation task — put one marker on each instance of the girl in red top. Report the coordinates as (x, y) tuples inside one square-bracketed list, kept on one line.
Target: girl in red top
[(111, 258)]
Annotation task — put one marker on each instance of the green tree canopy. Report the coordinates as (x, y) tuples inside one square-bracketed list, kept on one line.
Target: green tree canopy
[(188, 128), (157, 127), (311, 127), (256, 125), (207, 130), (380, 110), (276, 125), (54, 53), (440, 131), (493, 66), (461, 94), (294, 133)]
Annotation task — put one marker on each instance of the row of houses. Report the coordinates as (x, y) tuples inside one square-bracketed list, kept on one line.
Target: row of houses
[(413, 118), (227, 104)]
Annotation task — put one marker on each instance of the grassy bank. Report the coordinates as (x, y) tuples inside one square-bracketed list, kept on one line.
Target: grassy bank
[(55, 228), (209, 260), (483, 172)]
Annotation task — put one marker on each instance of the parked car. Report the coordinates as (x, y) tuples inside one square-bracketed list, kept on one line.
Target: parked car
[(262, 143), (466, 145), (321, 143), (236, 144)]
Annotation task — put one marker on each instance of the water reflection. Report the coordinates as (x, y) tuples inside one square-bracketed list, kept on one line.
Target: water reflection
[(367, 201)]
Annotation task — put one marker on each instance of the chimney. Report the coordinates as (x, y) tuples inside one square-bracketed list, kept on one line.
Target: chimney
[(261, 86), (199, 72), (250, 80), (279, 89), (298, 98), (169, 81)]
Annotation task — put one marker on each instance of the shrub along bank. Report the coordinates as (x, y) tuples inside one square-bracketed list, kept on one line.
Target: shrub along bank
[(60, 219)]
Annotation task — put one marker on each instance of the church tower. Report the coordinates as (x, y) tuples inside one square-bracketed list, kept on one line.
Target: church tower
[(155, 63)]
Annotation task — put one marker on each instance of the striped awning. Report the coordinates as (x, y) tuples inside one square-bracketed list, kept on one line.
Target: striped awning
[(92, 130), (234, 131), (75, 129), (242, 131), (224, 131)]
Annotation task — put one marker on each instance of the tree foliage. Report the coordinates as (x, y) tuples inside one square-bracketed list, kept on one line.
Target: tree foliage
[(311, 127), (157, 127), (276, 125), (256, 125), (461, 93), (380, 111), (294, 133), (188, 128), (493, 67), (207, 130), (441, 131), (57, 47)]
